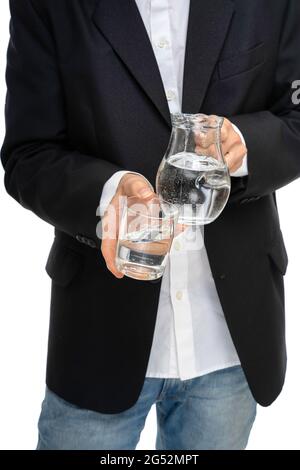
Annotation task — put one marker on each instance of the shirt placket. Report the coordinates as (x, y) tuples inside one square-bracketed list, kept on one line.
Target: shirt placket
[(183, 322), (160, 31)]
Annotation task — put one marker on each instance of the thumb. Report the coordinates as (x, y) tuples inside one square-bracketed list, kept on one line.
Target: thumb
[(145, 192), (141, 188)]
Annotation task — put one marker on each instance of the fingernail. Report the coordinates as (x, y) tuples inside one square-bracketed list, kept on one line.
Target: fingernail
[(145, 192)]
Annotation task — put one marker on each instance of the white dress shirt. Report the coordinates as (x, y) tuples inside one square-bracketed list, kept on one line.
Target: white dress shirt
[(191, 337)]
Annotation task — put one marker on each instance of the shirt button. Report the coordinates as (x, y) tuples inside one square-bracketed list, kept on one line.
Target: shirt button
[(163, 43), (177, 245), (179, 295), (170, 95)]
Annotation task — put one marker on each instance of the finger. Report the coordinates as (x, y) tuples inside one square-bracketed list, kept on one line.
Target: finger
[(232, 140), (109, 237), (234, 158), (139, 187), (108, 249), (210, 151), (224, 133), (226, 130), (226, 124), (201, 139), (204, 140)]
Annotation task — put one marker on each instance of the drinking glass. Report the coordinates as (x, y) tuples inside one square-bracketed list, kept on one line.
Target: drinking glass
[(146, 233)]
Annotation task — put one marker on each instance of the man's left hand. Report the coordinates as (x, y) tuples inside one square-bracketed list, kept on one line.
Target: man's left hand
[(233, 147)]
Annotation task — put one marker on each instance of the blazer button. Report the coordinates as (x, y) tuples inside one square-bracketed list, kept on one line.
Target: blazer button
[(86, 241), (222, 277)]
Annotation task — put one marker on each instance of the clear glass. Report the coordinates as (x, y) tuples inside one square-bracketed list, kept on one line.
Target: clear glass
[(193, 174), (145, 237)]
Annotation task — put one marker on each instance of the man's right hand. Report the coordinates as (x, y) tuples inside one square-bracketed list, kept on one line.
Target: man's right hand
[(131, 184)]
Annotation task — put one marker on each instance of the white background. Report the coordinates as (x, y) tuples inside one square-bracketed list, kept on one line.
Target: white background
[(24, 313)]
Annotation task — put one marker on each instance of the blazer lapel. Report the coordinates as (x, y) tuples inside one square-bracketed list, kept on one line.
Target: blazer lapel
[(208, 25), (120, 22), (209, 20)]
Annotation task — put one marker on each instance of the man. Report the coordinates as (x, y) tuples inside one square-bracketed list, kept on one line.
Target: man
[(91, 85)]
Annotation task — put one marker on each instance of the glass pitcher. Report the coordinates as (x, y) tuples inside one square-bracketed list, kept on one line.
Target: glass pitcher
[(193, 174)]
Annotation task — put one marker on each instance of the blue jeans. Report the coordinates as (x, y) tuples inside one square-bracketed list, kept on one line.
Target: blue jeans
[(215, 411)]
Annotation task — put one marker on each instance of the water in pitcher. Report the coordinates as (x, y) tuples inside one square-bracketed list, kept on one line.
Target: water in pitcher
[(197, 184)]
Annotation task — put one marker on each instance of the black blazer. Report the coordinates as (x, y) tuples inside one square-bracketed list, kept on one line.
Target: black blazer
[(85, 99)]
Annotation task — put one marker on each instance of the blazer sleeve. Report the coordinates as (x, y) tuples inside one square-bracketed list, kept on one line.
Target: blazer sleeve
[(42, 172), (273, 136)]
